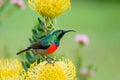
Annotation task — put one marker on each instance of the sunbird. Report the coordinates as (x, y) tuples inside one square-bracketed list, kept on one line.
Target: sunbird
[(47, 45)]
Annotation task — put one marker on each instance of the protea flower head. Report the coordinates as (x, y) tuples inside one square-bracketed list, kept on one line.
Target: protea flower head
[(11, 69), (60, 70), (49, 8)]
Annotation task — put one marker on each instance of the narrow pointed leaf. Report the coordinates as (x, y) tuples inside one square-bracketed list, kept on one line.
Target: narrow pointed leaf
[(29, 57), (31, 41), (34, 32), (24, 66)]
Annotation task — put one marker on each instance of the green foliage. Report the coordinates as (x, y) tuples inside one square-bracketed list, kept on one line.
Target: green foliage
[(41, 29)]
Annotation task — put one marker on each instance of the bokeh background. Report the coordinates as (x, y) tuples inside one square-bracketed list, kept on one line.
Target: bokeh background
[(99, 19)]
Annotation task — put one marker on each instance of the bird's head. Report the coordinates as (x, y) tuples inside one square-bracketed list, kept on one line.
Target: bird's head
[(58, 34)]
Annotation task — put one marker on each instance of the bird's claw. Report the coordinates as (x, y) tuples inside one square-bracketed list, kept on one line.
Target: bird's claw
[(50, 60)]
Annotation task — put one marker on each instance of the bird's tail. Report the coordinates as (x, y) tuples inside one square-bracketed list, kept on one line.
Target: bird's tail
[(24, 50)]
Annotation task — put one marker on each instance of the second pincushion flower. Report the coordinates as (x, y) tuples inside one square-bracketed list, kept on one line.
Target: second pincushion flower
[(82, 39), (18, 3)]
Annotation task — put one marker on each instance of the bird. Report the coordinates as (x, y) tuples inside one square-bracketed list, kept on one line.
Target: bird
[(47, 45)]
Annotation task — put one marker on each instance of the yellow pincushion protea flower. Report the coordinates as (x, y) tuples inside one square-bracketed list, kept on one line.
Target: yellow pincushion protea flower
[(60, 70), (49, 8), (11, 69)]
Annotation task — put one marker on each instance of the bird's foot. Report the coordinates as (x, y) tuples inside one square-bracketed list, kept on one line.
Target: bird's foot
[(49, 60)]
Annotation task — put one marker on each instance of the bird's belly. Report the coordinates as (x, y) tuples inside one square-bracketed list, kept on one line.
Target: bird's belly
[(41, 51)]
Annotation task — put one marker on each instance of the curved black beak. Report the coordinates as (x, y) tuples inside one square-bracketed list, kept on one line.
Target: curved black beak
[(69, 31), (63, 32)]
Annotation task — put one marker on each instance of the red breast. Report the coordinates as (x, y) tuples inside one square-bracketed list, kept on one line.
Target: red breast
[(52, 48)]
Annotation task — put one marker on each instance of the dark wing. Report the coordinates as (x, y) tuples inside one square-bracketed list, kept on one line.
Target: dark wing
[(39, 45)]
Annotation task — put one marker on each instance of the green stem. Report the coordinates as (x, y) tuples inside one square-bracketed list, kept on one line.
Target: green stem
[(78, 60), (49, 26), (45, 25)]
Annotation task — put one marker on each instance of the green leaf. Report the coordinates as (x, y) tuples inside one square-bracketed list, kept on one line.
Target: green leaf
[(41, 23), (31, 41), (24, 66), (34, 54), (34, 32), (34, 38), (29, 57)]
